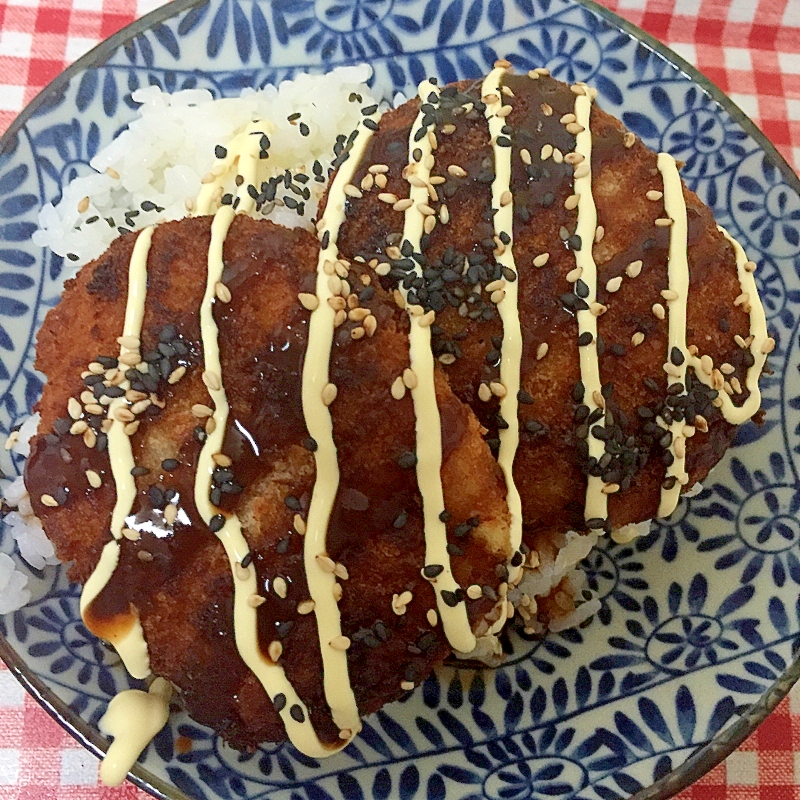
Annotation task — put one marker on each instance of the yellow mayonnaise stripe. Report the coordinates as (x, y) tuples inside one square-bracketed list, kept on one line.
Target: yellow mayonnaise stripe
[(678, 282), (511, 352), (130, 644), (760, 347), (272, 677), (596, 500), (455, 620), (316, 375)]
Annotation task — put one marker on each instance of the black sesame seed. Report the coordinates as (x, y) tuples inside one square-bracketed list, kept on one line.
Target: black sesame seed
[(137, 472), (407, 460), (463, 529), (584, 339), (156, 496), (676, 356), (247, 560), (524, 398), (517, 559), (574, 242), (400, 520), (217, 523), (325, 241), (220, 151), (373, 126), (450, 598), (310, 444), (297, 713), (170, 464), (432, 570), (292, 503)]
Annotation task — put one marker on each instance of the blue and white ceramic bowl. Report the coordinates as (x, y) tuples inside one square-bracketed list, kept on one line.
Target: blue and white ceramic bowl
[(681, 662)]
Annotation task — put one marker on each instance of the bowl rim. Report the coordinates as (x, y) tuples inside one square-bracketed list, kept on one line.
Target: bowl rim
[(704, 758)]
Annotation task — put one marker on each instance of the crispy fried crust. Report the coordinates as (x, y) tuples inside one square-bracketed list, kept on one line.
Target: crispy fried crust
[(551, 463), (184, 594)]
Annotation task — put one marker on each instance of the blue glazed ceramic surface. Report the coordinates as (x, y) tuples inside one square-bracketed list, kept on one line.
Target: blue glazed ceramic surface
[(700, 620)]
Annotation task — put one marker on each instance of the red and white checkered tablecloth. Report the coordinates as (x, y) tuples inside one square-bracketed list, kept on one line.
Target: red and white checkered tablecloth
[(749, 48)]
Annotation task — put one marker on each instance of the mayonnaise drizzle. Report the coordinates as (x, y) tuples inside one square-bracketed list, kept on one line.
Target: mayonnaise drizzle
[(678, 281), (511, 352), (761, 346), (243, 153), (596, 506), (336, 679), (133, 718), (455, 620), (130, 644)]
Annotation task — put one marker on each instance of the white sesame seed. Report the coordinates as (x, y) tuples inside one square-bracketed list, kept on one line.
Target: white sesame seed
[(170, 513), (48, 500), (309, 301), (212, 380), (664, 222), (658, 311), (123, 414), (444, 214), (768, 346), (456, 171), (144, 555), (497, 296), (633, 269), (572, 202), (130, 359), (410, 378), (222, 292), (541, 259), (679, 446), (567, 118), (254, 601), (581, 171), (326, 564), (131, 535), (432, 617), (547, 109), (614, 284), (654, 195), (574, 128), (474, 591), (637, 338), (306, 607), (599, 233), (388, 197), (299, 524), (78, 427), (279, 586), (341, 643), (174, 376), (497, 389), (610, 488), (541, 351), (669, 294), (558, 156), (546, 151), (130, 342), (744, 297), (398, 389), (357, 333), (628, 139), (340, 571), (525, 156), (329, 393), (74, 408), (129, 430), (352, 191)]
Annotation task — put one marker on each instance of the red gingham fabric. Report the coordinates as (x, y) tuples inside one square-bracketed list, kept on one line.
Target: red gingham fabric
[(749, 48)]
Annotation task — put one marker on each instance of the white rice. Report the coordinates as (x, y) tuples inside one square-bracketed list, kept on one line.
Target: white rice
[(164, 153), (32, 543)]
